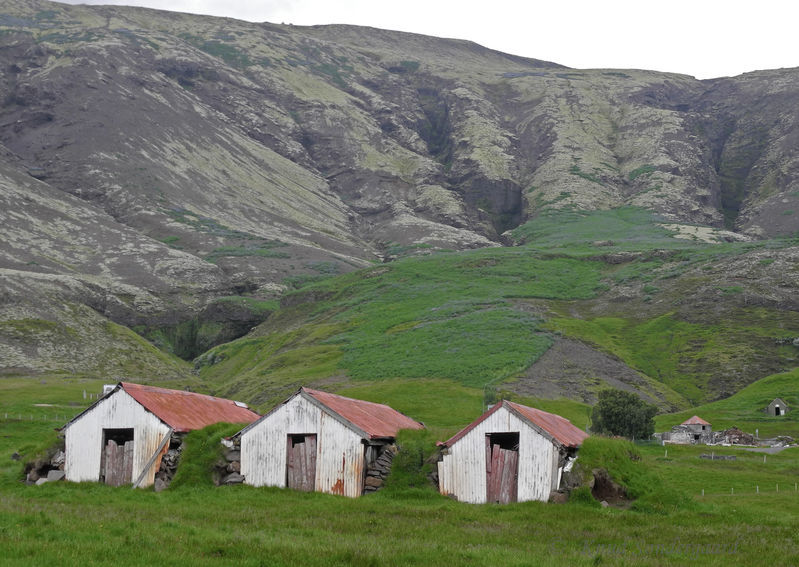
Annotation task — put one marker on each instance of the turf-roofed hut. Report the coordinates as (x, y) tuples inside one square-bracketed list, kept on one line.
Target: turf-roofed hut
[(777, 407), (122, 438), (316, 441), (511, 453)]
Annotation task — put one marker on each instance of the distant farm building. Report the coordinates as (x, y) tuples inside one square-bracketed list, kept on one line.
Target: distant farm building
[(316, 441), (511, 453), (121, 438), (693, 431), (777, 408)]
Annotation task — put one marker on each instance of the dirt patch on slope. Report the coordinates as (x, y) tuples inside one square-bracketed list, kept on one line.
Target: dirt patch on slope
[(572, 369)]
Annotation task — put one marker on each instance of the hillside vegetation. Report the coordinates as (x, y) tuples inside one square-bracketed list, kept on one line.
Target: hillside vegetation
[(657, 306), (178, 174)]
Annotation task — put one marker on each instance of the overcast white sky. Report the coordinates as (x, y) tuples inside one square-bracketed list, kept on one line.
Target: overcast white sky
[(704, 38)]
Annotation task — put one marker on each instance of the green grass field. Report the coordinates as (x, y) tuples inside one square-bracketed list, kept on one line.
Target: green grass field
[(740, 520)]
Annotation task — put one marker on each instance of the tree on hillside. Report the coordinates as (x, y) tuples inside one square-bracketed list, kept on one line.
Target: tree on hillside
[(623, 413)]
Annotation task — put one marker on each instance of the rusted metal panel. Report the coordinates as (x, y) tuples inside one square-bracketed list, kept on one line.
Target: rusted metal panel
[(463, 468), (377, 420), (560, 428), (550, 425), (187, 411)]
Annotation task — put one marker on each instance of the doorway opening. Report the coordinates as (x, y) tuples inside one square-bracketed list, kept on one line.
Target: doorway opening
[(502, 467), (116, 461)]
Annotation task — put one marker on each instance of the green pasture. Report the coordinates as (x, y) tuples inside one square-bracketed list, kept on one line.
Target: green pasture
[(742, 519)]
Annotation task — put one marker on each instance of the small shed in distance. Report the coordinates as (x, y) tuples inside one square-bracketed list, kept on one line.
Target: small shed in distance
[(692, 431), (511, 453), (777, 407), (121, 438), (317, 441)]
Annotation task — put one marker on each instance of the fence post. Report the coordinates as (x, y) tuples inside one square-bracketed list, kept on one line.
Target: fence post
[(757, 489)]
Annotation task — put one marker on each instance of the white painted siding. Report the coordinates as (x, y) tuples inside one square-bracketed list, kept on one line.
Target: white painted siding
[(339, 451), (462, 472), (84, 437)]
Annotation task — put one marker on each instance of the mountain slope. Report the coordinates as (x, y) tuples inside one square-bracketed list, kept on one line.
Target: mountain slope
[(178, 174)]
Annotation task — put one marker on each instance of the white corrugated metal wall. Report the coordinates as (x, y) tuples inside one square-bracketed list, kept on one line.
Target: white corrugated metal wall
[(339, 458), (84, 437), (462, 472)]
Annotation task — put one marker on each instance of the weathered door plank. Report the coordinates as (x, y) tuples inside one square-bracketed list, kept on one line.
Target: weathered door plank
[(501, 479), (310, 453), (301, 462)]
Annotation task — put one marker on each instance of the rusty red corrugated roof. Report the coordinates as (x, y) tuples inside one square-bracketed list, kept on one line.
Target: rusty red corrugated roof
[(377, 420), (695, 420), (186, 411), (557, 427)]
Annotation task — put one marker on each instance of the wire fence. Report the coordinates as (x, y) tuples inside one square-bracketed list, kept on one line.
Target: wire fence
[(787, 488), (48, 412), (35, 417)]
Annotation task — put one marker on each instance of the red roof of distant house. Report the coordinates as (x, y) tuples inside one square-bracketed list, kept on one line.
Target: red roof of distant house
[(557, 427), (186, 411), (695, 420), (377, 420)]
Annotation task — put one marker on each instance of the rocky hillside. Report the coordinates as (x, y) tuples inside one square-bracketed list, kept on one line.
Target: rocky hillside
[(176, 174)]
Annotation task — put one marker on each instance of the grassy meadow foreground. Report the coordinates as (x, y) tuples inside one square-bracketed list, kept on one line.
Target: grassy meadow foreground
[(742, 519)]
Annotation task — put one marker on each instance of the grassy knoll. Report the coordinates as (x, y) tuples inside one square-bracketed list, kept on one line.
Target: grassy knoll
[(629, 228), (580, 233), (407, 523)]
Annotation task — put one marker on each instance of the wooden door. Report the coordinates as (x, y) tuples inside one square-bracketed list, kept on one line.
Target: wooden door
[(502, 467), (301, 462), (116, 465)]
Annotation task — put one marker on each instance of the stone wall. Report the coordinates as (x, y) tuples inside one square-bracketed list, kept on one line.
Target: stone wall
[(169, 463), (48, 468), (378, 470)]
